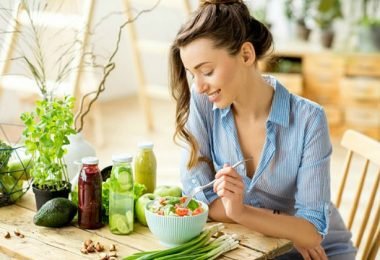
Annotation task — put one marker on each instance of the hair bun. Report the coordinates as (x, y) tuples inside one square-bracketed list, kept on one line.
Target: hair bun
[(216, 2)]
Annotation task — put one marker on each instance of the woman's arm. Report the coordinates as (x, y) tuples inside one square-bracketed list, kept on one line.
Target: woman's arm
[(230, 208)]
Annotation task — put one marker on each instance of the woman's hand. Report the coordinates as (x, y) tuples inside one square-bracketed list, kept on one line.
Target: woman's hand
[(230, 188), (317, 253)]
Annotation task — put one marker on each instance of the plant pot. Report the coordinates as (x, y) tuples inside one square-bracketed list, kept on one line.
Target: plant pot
[(327, 38), (375, 35), (302, 31), (43, 195)]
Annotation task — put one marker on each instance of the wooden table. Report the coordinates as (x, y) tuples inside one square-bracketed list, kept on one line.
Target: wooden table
[(65, 243)]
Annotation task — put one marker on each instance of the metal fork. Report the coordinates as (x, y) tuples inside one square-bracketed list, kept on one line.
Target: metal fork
[(200, 188)]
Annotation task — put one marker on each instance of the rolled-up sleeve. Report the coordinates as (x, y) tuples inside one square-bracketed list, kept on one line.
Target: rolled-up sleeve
[(201, 174), (313, 178)]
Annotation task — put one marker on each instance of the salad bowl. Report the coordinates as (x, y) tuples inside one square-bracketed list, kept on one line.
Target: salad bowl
[(172, 224)]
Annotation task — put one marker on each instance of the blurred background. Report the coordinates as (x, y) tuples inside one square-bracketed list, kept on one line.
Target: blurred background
[(325, 50)]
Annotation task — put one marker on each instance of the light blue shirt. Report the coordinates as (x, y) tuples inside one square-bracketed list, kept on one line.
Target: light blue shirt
[(293, 174)]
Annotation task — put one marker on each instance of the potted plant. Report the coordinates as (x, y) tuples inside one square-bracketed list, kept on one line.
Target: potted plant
[(369, 26), (45, 136), (327, 12), (299, 13)]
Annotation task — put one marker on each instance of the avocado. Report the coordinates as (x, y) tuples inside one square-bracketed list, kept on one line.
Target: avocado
[(56, 212)]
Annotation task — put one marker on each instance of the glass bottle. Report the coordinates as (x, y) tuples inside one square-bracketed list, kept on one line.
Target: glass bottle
[(121, 197), (90, 194), (145, 166)]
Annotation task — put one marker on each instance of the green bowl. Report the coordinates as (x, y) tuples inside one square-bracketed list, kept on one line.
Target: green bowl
[(172, 230)]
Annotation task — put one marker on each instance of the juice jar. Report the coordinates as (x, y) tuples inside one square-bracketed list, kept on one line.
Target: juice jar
[(145, 166), (90, 194), (121, 197)]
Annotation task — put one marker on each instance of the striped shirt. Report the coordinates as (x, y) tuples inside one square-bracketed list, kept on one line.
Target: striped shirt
[(293, 174)]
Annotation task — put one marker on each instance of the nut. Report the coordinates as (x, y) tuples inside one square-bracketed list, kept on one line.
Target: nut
[(7, 235), (87, 242), (113, 254), (17, 232), (91, 248), (21, 236), (103, 256), (112, 247), (83, 250), (99, 247)]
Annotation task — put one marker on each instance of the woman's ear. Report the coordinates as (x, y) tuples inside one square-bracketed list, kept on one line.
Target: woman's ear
[(247, 53)]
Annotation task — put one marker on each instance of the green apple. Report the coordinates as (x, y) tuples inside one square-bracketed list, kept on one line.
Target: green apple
[(140, 206), (166, 190)]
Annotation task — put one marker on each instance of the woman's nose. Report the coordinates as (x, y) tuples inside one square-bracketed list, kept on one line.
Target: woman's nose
[(200, 85)]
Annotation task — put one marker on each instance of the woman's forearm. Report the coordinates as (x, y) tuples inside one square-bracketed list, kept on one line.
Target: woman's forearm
[(298, 230)]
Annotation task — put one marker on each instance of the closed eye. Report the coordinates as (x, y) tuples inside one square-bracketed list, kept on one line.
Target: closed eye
[(209, 73)]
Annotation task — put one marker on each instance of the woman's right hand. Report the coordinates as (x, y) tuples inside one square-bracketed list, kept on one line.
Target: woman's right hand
[(317, 253), (230, 188)]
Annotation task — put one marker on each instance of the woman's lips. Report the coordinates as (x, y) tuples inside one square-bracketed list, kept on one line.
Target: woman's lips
[(212, 97)]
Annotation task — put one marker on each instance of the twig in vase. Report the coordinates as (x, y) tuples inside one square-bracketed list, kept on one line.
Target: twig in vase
[(108, 68)]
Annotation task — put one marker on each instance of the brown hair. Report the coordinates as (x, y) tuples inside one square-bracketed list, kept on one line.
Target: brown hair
[(228, 24)]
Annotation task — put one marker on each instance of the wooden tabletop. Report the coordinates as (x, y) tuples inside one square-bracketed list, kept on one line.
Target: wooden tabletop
[(65, 243)]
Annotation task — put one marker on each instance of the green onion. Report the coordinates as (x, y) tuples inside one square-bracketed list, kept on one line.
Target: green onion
[(201, 247)]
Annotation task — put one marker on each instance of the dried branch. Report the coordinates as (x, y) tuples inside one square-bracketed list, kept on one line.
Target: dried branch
[(108, 68)]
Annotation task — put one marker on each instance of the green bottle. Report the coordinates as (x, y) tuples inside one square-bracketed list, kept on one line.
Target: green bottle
[(121, 197), (145, 166)]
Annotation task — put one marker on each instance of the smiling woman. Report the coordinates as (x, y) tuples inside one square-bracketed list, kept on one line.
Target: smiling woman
[(232, 112)]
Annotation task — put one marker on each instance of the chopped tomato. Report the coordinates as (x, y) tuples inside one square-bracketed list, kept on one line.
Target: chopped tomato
[(197, 211), (182, 200), (181, 211)]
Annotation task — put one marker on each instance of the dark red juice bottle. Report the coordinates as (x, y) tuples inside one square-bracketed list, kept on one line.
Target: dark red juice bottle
[(90, 194)]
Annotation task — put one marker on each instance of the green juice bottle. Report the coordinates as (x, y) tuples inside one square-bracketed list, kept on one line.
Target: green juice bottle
[(121, 197), (145, 166)]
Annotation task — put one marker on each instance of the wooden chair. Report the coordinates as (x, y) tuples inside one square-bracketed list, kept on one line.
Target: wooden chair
[(365, 207)]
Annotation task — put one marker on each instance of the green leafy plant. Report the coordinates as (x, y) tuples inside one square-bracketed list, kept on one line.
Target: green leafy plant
[(327, 12), (45, 135)]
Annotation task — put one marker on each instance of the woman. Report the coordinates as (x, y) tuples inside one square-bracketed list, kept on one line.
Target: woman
[(232, 112)]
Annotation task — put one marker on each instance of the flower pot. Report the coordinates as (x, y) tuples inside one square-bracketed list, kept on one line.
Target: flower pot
[(302, 31), (44, 195), (327, 38)]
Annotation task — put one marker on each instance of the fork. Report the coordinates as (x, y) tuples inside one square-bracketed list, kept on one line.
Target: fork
[(200, 188)]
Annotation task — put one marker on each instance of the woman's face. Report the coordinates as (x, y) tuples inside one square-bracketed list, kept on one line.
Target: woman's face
[(214, 72)]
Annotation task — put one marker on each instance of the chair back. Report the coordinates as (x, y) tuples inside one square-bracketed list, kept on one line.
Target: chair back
[(360, 183)]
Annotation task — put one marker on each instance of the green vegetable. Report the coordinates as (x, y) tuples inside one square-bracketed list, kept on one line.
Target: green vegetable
[(193, 205), (201, 248), (5, 154), (56, 212), (11, 186)]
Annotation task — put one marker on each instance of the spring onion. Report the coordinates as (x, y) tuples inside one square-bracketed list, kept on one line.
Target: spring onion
[(201, 247)]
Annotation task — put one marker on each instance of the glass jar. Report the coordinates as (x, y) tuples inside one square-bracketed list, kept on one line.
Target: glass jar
[(121, 197), (145, 166), (90, 194)]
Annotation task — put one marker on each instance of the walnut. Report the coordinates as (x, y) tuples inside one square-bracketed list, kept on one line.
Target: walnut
[(112, 247), (7, 235)]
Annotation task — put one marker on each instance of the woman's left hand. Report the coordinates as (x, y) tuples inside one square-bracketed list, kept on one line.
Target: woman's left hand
[(230, 188), (317, 253)]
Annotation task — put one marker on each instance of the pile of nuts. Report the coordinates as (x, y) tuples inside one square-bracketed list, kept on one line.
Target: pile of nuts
[(16, 232), (90, 247)]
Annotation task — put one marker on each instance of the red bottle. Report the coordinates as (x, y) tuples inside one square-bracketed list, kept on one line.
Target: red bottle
[(90, 194)]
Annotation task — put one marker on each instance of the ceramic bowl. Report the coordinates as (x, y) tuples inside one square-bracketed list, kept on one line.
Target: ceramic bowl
[(173, 230)]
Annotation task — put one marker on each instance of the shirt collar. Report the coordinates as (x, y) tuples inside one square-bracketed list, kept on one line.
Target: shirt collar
[(280, 105), (280, 109)]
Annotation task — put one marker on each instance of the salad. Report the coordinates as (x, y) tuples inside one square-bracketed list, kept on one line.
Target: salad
[(173, 206)]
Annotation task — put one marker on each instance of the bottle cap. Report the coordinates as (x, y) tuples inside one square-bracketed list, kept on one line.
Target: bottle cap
[(145, 145), (122, 157), (90, 160)]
